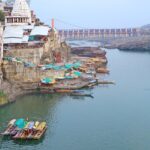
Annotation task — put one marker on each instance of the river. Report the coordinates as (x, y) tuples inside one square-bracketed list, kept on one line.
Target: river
[(117, 118)]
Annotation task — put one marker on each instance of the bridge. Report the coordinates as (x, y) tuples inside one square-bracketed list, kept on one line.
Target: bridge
[(77, 32), (98, 33)]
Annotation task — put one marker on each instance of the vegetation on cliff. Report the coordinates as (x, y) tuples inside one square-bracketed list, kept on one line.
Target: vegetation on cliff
[(2, 16), (3, 98), (2, 94)]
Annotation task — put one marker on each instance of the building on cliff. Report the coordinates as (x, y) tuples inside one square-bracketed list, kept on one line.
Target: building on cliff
[(25, 38), (20, 15), (18, 12)]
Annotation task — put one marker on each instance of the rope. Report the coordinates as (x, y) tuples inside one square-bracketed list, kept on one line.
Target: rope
[(70, 24)]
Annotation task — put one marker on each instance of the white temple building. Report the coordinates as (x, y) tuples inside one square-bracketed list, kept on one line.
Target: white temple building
[(20, 15)]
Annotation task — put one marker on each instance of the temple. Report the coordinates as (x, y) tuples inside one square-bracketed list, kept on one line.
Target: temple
[(20, 15)]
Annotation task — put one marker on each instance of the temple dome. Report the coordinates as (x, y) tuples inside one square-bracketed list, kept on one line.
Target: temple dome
[(21, 8)]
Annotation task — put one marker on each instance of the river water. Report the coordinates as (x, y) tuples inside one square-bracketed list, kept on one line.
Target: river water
[(117, 118)]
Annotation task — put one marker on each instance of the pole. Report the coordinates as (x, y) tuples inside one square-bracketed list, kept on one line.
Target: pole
[(53, 23)]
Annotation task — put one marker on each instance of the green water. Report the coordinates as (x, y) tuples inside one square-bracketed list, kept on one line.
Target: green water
[(118, 118)]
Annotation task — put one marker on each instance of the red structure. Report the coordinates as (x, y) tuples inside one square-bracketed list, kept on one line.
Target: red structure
[(53, 23)]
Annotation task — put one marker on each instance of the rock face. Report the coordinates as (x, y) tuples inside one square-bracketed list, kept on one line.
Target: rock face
[(18, 78)]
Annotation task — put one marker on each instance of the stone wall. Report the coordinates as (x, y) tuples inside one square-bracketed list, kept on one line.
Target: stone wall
[(28, 54), (16, 72)]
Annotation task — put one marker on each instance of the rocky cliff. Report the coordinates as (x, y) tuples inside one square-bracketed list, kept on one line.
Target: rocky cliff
[(16, 78)]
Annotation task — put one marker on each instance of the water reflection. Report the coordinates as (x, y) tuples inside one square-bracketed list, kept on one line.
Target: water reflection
[(82, 97)]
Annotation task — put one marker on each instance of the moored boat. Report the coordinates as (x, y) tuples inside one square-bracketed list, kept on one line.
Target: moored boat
[(40, 130), (80, 93), (103, 70), (11, 127), (63, 91)]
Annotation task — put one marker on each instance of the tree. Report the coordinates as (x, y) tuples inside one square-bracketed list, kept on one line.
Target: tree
[(2, 16)]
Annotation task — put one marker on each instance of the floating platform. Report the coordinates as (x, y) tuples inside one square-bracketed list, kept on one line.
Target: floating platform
[(24, 130)]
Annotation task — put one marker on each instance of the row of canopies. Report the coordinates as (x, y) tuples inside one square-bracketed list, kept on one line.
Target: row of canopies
[(69, 75), (23, 34), (66, 66)]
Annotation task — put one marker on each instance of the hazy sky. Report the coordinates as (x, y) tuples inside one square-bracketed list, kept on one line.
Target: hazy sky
[(94, 13)]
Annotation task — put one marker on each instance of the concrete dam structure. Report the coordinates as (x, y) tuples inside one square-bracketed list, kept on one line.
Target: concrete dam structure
[(68, 34)]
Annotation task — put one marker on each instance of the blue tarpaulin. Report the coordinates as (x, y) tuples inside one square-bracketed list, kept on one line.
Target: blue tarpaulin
[(46, 80), (20, 123)]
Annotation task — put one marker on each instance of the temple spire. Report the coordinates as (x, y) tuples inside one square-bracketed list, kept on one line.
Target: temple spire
[(20, 15), (21, 8)]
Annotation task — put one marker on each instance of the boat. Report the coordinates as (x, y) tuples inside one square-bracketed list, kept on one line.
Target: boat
[(18, 134), (83, 69), (33, 130), (103, 70), (80, 93), (106, 82), (63, 91), (21, 129), (94, 81), (90, 72), (40, 130), (11, 128), (92, 85), (48, 81)]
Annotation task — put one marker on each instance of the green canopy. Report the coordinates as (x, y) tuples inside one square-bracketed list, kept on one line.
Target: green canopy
[(77, 73), (49, 66), (56, 67), (77, 65), (20, 123), (68, 77), (8, 58), (68, 66), (46, 80), (31, 38)]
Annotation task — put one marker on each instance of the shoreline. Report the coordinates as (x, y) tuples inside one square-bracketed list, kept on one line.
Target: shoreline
[(50, 90), (27, 79)]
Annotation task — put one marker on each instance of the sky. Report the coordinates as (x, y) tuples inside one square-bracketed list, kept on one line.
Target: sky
[(93, 13)]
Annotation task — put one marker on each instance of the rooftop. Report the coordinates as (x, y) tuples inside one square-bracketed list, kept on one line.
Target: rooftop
[(15, 34)]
